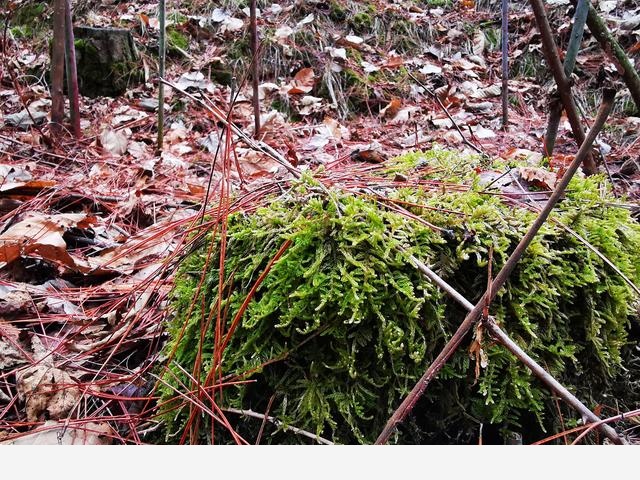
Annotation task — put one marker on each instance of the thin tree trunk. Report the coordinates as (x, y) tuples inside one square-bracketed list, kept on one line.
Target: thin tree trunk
[(161, 64), (255, 64), (564, 86), (613, 49), (505, 63), (72, 73), (555, 109), (57, 67)]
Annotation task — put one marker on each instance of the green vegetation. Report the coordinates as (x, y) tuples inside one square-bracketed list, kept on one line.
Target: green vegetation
[(175, 39), (29, 20), (342, 325)]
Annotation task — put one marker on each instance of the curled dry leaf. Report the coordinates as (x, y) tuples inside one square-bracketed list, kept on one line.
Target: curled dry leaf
[(392, 109), (60, 433), (44, 388), (41, 235), (491, 91), (538, 177), (302, 82), (10, 351), (114, 142)]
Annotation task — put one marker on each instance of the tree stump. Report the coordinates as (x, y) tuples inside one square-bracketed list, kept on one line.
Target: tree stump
[(107, 61)]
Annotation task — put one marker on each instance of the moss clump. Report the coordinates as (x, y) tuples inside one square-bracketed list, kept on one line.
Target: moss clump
[(337, 12), (361, 22), (176, 40), (343, 326), (29, 13), (29, 20)]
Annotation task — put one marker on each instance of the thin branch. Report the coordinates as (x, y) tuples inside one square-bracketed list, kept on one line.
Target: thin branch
[(280, 424), (57, 67), (255, 68), (161, 66), (505, 64), (551, 382), (444, 109), (72, 71), (506, 341), (612, 48), (407, 405)]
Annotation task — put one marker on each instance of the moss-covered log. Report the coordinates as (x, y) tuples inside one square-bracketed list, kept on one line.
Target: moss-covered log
[(341, 325)]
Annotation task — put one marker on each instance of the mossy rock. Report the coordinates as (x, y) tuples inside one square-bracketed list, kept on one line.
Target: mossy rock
[(342, 325), (108, 62)]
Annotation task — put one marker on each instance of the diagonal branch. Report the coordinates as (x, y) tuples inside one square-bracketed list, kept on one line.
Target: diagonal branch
[(409, 402), (491, 325)]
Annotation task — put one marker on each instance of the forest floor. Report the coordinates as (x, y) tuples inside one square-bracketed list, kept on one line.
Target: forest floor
[(92, 229)]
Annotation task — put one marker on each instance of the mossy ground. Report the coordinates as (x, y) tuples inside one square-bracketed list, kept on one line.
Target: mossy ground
[(343, 325)]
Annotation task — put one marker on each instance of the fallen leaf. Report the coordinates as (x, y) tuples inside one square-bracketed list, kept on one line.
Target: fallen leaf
[(394, 61), (538, 177), (114, 141), (62, 433), (478, 42), (392, 109), (41, 235), (302, 82), (45, 388)]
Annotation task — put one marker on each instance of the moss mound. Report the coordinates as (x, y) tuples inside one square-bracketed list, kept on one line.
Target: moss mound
[(342, 325)]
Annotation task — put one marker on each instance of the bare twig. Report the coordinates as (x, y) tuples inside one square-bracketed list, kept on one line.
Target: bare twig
[(612, 48), (543, 375), (57, 67), (444, 109), (72, 71), (505, 64), (407, 405), (255, 69), (161, 65), (278, 423), (500, 335)]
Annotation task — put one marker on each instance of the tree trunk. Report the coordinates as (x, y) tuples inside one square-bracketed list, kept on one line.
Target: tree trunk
[(57, 67)]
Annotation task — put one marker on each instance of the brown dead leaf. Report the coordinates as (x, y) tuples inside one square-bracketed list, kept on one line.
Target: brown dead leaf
[(369, 155), (11, 354), (61, 433), (302, 82), (538, 177), (45, 388), (394, 61), (41, 235), (392, 109)]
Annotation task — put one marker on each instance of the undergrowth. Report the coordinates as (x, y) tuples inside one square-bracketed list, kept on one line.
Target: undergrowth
[(343, 326)]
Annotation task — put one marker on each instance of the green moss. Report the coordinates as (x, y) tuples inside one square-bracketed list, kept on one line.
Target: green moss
[(492, 38), (29, 13), (361, 22), (175, 39), (439, 3), (343, 326), (239, 50), (337, 12), (29, 20)]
